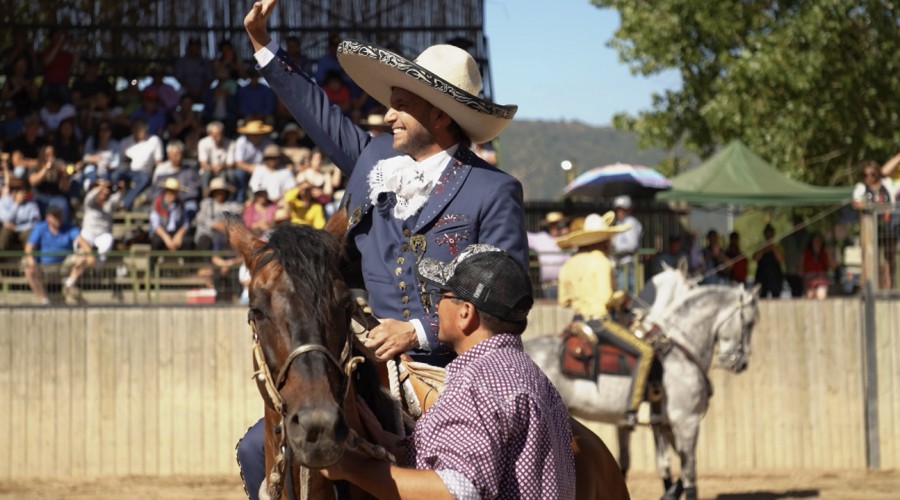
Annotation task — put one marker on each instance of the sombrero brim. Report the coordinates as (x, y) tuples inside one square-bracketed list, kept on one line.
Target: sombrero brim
[(590, 237), (377, 71)]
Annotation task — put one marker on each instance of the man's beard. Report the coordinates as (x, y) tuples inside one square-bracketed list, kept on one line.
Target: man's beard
[(416, 143)]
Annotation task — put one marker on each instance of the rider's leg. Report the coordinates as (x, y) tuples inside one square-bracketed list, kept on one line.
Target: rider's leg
[(251, 459)]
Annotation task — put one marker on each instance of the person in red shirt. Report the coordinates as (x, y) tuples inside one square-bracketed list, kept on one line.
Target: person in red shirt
[(58, 62), (816, 265)]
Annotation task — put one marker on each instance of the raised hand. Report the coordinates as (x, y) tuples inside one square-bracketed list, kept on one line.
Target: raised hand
[(256, 20)]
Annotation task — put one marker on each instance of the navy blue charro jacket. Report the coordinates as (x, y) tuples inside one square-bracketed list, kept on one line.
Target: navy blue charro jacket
[(473, 202)]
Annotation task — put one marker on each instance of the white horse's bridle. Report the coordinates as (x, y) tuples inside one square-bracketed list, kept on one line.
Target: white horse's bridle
[(735, 359)]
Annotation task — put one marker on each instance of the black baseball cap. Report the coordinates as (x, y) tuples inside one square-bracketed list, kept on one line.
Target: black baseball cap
[(485, 276)]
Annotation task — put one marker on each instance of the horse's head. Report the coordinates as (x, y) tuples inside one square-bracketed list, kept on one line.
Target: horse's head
[(734, 327), (300, 314), (663, 290)]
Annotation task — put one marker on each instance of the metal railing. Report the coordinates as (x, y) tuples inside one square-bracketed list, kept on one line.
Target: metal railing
[(135, 276)]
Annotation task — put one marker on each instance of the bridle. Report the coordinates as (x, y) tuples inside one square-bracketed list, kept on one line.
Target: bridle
[(736, 354)]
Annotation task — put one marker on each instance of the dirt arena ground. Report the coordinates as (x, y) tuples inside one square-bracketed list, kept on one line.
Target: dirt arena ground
[(763, 486)]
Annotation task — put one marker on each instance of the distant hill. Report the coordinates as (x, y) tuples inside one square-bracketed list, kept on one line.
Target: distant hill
[(533, 150)]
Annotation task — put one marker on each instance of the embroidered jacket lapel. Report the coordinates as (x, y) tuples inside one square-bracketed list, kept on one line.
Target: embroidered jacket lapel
[(448, 185)]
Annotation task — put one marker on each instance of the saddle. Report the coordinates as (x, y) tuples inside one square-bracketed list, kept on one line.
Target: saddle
[(585, 356)]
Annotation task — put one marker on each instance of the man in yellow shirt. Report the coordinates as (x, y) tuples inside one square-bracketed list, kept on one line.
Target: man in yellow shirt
[(302, 209), (586, 285)]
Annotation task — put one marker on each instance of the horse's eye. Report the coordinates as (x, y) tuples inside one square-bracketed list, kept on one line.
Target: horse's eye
[(254, 314)]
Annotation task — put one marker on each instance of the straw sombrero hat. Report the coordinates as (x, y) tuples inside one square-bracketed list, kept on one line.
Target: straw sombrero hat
[(254, 127), (172, 184), (444, 75), (374, 120), (596, 228), (219, 184)]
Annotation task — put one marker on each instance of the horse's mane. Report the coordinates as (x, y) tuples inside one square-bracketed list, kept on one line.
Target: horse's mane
[(310, 258), (702, 296)]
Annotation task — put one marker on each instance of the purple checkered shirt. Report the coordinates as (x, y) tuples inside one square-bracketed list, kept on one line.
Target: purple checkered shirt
[(499, 429)]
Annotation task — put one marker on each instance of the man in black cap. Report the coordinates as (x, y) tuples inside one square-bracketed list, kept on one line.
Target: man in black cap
[(483, 298)]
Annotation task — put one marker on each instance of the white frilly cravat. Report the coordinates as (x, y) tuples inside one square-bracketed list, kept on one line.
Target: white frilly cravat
[(410, 181)]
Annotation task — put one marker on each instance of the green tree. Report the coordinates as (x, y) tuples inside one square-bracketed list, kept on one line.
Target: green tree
[(811, 85)]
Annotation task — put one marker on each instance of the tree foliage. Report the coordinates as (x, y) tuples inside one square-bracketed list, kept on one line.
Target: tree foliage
[(811, 85)]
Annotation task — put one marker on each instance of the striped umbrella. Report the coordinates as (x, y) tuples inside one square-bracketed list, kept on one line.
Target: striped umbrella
[(609, 181)]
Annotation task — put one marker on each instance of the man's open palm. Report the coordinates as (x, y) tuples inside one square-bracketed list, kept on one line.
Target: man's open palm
[(256, 20)]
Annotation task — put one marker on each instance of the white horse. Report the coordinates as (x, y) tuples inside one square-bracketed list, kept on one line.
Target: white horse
[(705, 319)]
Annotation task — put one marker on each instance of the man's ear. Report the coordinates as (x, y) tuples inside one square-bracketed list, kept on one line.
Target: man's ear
[(467, 317)]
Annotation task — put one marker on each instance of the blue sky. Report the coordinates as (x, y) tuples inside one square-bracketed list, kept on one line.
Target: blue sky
[(550, 57)]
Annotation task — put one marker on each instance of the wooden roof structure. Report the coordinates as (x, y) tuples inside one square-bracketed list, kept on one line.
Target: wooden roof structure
[(130, 35)]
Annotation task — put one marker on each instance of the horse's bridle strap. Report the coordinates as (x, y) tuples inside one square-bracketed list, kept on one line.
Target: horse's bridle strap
[(301, 350)]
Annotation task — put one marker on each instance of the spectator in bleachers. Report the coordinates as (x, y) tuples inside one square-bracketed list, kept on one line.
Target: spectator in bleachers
[(322, 182), (186, 125), (626, 244), (168, 96), (374, 123), (259, 214), (89, 84), (220, 104), (20, 47), (20, 87), (296, 55), (876, 188), (360, 103), (53, 238), (337, 90), (54, 112), (256, 101), (101, 154), (816, 266), (227, 62), (272, 175), (737, 261), (67, 142), (212, 152), (302, 208), (29, 143), (246, 154), (96, 226), (193, 71), (104, 106), (169, 223), (58, 60), (11, 124), (210, 221), (769, 259), (673, 256), (151, 112), (295, 145), (50, 183), (188, 178), (18, 213), (139, 154)]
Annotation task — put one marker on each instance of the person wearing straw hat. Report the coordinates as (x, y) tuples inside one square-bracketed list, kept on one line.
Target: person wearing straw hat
[(418, 192), (169, 222), (586, 285), (550, 256), (246, 153), (210, 220)]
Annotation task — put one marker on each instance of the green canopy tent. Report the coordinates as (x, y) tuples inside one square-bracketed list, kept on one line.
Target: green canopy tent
[(737, 176)]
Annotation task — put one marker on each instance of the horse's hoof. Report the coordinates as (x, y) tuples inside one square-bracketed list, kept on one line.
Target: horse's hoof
[(690, 493), (673, 492)]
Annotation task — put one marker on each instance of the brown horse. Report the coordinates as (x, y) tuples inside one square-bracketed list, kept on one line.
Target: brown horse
[(300, 311)]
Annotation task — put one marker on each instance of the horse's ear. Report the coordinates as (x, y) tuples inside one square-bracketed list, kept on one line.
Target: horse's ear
[(683, 266), (242, 239), (339, 221), (666, 266), (755, 291)]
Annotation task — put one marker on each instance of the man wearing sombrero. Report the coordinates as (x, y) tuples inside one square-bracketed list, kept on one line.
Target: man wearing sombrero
[(586, 285), (418, 192)]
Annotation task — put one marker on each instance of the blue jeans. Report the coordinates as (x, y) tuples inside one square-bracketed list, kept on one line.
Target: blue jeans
[(140, 181), (239, 179), (625, 277)]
